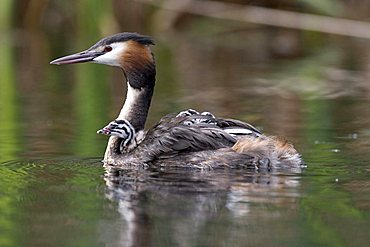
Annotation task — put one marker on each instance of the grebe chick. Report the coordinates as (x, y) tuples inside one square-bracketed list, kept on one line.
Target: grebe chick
[(125, 131), (187, 139)]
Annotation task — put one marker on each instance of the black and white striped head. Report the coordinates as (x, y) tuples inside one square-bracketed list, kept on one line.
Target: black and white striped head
[(194, 117), (120, 128), (129, 51)]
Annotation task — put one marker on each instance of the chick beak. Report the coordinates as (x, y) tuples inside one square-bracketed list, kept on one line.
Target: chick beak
[(104, 131)]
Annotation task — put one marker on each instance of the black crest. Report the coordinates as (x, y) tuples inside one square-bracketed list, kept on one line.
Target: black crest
[(122, 37)]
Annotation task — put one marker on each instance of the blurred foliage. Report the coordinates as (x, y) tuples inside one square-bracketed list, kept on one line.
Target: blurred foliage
[(327, 7), (9, 121), (91, 94)]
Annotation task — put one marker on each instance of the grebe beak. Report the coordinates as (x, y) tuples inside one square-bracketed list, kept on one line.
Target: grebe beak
[(81, 57)]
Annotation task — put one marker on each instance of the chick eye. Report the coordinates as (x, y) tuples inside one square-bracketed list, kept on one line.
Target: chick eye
[(107, 48)]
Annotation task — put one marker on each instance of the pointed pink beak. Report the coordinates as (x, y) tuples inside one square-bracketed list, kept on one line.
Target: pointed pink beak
[(81, 57)]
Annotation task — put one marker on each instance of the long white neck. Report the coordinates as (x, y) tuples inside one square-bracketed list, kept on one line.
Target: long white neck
[(132, 96), (136, 106)]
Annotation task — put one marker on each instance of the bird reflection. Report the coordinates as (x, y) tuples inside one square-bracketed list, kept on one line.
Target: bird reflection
[(178, 206)]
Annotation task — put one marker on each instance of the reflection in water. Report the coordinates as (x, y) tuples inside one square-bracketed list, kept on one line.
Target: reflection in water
[(184, 205)]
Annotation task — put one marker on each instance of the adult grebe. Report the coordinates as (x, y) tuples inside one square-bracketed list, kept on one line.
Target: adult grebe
[(186, 139)]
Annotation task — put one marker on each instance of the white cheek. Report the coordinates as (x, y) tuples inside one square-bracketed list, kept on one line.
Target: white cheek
[(113, 57)]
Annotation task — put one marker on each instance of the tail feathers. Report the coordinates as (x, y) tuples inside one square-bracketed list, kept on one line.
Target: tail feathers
[(270, 152)]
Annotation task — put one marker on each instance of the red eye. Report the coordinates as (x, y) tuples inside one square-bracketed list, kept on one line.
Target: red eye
[(107, 48)]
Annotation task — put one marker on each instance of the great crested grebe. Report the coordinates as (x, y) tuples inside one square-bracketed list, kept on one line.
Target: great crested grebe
[(187, 139)]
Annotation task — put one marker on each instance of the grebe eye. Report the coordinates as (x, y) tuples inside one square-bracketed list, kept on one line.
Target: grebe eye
[(107, 48)]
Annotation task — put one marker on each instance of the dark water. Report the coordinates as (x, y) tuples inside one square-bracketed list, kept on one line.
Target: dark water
[(54, 191)]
